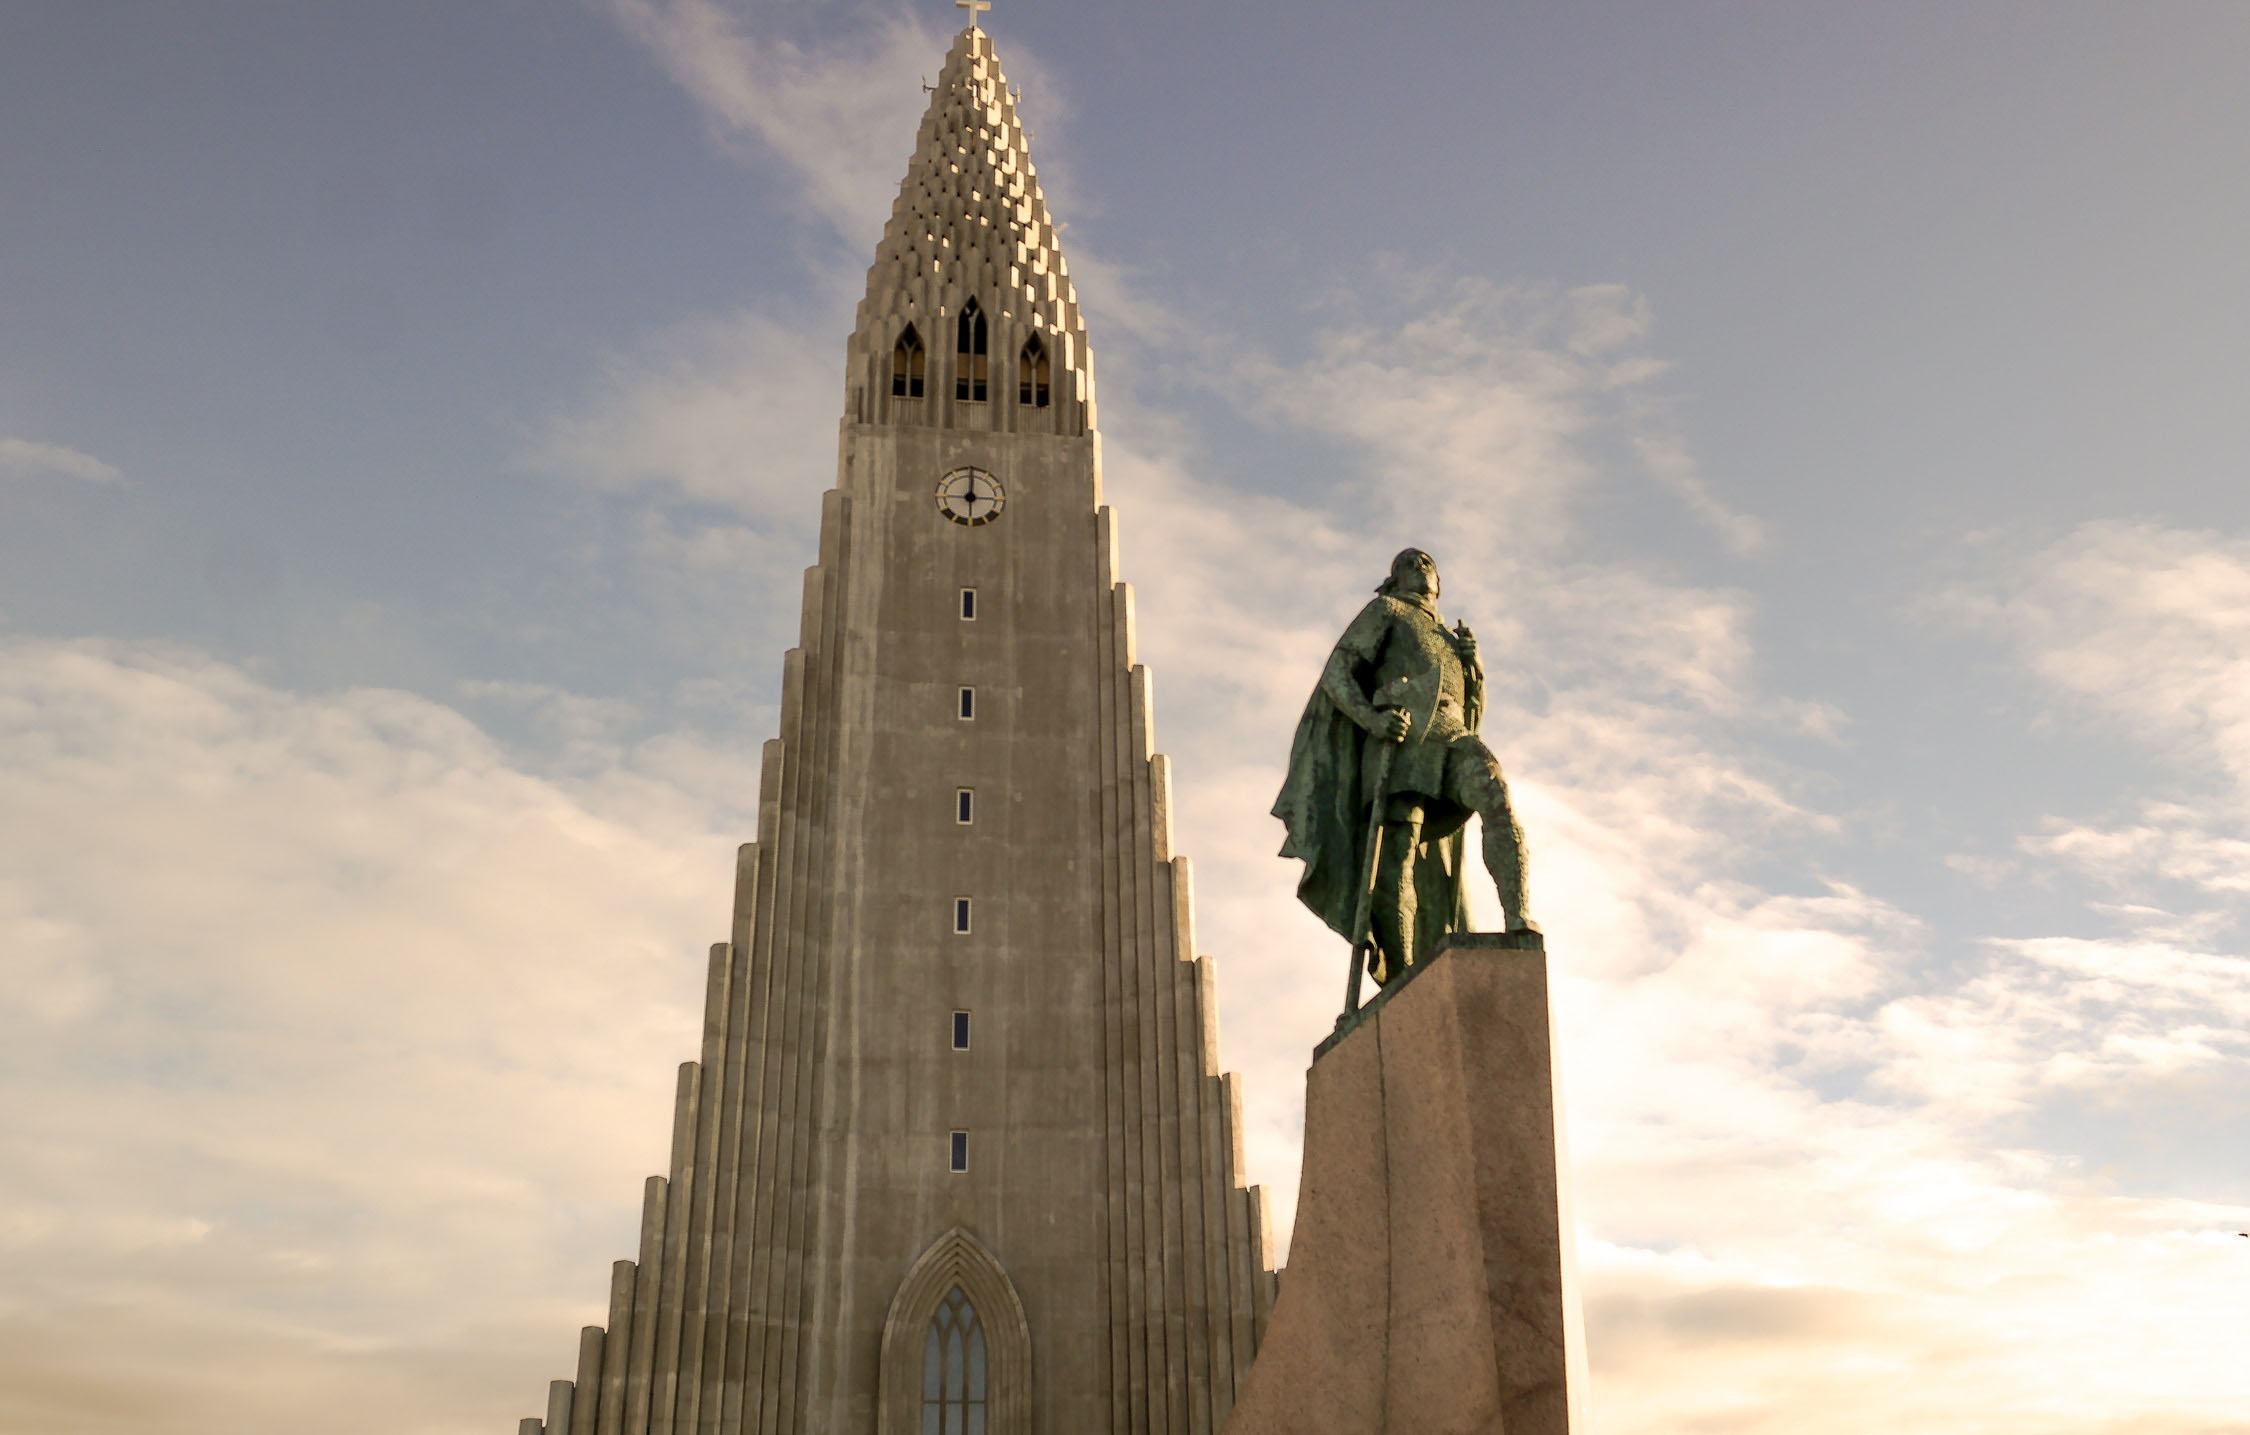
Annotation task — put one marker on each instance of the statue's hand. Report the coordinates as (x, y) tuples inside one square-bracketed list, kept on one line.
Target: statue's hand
[(1392, 724), (1465, 642)]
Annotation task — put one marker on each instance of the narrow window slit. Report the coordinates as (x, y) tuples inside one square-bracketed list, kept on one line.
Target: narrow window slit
[(957, 1158), (965, 805), (960, 1031), (968, 605), (968, 704), (961, 916)]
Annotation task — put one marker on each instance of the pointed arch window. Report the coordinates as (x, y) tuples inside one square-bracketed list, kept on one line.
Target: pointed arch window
[(956, 1298), (969, 373), (1031, 374), (953, 1369), (907, 363)]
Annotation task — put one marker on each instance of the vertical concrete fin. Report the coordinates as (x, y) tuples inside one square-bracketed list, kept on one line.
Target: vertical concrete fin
[(1143, 1277), (1127, 1360), (585, 1404), (1216, 1187), (1152, 959), (687, 1120), (1144, 739), (531, 1425), (1241, 1272), (745, 890), (558, 1407), (1206, 1003), (1105, 536), (808, 619), (1261, 1257), (710, 1108), (1160, 805), (763, 1033), (1186, 1140), (769, 788), (646, 1293), (1183, 939), (1127, 646), (725, 1170), (807, 917), (617, 1350)]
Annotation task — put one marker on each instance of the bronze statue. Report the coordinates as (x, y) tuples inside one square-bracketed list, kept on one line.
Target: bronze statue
[(1384, 772)]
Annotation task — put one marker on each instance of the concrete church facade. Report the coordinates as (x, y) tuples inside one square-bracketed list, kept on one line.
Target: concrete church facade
[(956, 1158)]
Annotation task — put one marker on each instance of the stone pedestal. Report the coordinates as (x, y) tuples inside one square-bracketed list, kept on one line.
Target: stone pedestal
[(1431, 1285)]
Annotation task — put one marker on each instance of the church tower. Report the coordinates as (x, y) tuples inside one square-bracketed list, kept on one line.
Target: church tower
[(956, 1158)]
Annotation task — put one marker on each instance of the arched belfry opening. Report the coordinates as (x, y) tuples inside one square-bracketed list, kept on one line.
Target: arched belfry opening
[(969, 363), (1032, 374), (956, 1347), (907, 363)]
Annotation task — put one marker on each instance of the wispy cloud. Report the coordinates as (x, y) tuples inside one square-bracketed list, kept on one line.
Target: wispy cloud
[(2143, 632), (23, 458), (314, 1002), (839, 119), (713, 412), (2143, 625)]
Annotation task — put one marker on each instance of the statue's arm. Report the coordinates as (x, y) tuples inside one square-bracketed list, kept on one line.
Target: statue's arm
[(1362, 643), (1342, 688), (1472, 675)]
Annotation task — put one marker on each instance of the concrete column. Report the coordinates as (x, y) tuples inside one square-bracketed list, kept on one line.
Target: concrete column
[(558, 1406), (617, 1349), (586, 1404)]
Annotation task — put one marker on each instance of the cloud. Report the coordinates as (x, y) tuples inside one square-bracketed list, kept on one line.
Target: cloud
[(2141, 632), (837, 118), (2144, 627), (26, 459), (713, 412), (315, 1002)]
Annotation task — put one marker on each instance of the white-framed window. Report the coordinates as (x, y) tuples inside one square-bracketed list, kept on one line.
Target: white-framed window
[(968, 707), (957, 1151), (968, 605), (960, 1031), (964, 805), (961, 916)]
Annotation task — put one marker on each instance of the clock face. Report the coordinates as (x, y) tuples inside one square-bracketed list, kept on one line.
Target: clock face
[(970, 496)]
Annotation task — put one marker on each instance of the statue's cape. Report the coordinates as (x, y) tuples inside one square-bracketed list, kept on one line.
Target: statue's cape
[(1326, 820)]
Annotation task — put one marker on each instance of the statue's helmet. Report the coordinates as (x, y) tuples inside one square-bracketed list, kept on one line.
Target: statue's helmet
[(1407, 561)]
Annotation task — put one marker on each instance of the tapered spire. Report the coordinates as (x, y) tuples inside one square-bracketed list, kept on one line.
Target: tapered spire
[(971, 223)]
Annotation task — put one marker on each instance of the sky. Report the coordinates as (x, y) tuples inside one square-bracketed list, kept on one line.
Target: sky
[(413, 418)]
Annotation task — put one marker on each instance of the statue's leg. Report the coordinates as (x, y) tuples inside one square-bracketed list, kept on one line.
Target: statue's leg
[(1393, 917), (1474, 774)]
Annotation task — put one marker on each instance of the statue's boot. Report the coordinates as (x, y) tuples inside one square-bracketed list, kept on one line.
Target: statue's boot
[(1394, 908), (1503, 858)]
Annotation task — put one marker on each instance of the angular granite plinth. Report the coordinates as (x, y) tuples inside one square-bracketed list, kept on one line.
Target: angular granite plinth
[(1431, 1285)]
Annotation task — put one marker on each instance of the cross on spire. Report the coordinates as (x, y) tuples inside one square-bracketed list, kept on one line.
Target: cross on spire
[(972, 6)]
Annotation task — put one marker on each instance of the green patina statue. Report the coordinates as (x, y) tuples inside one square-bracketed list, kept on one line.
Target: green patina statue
[(1385, 771)]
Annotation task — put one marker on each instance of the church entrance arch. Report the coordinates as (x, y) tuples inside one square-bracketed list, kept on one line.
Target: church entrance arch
[(956, 1346)]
